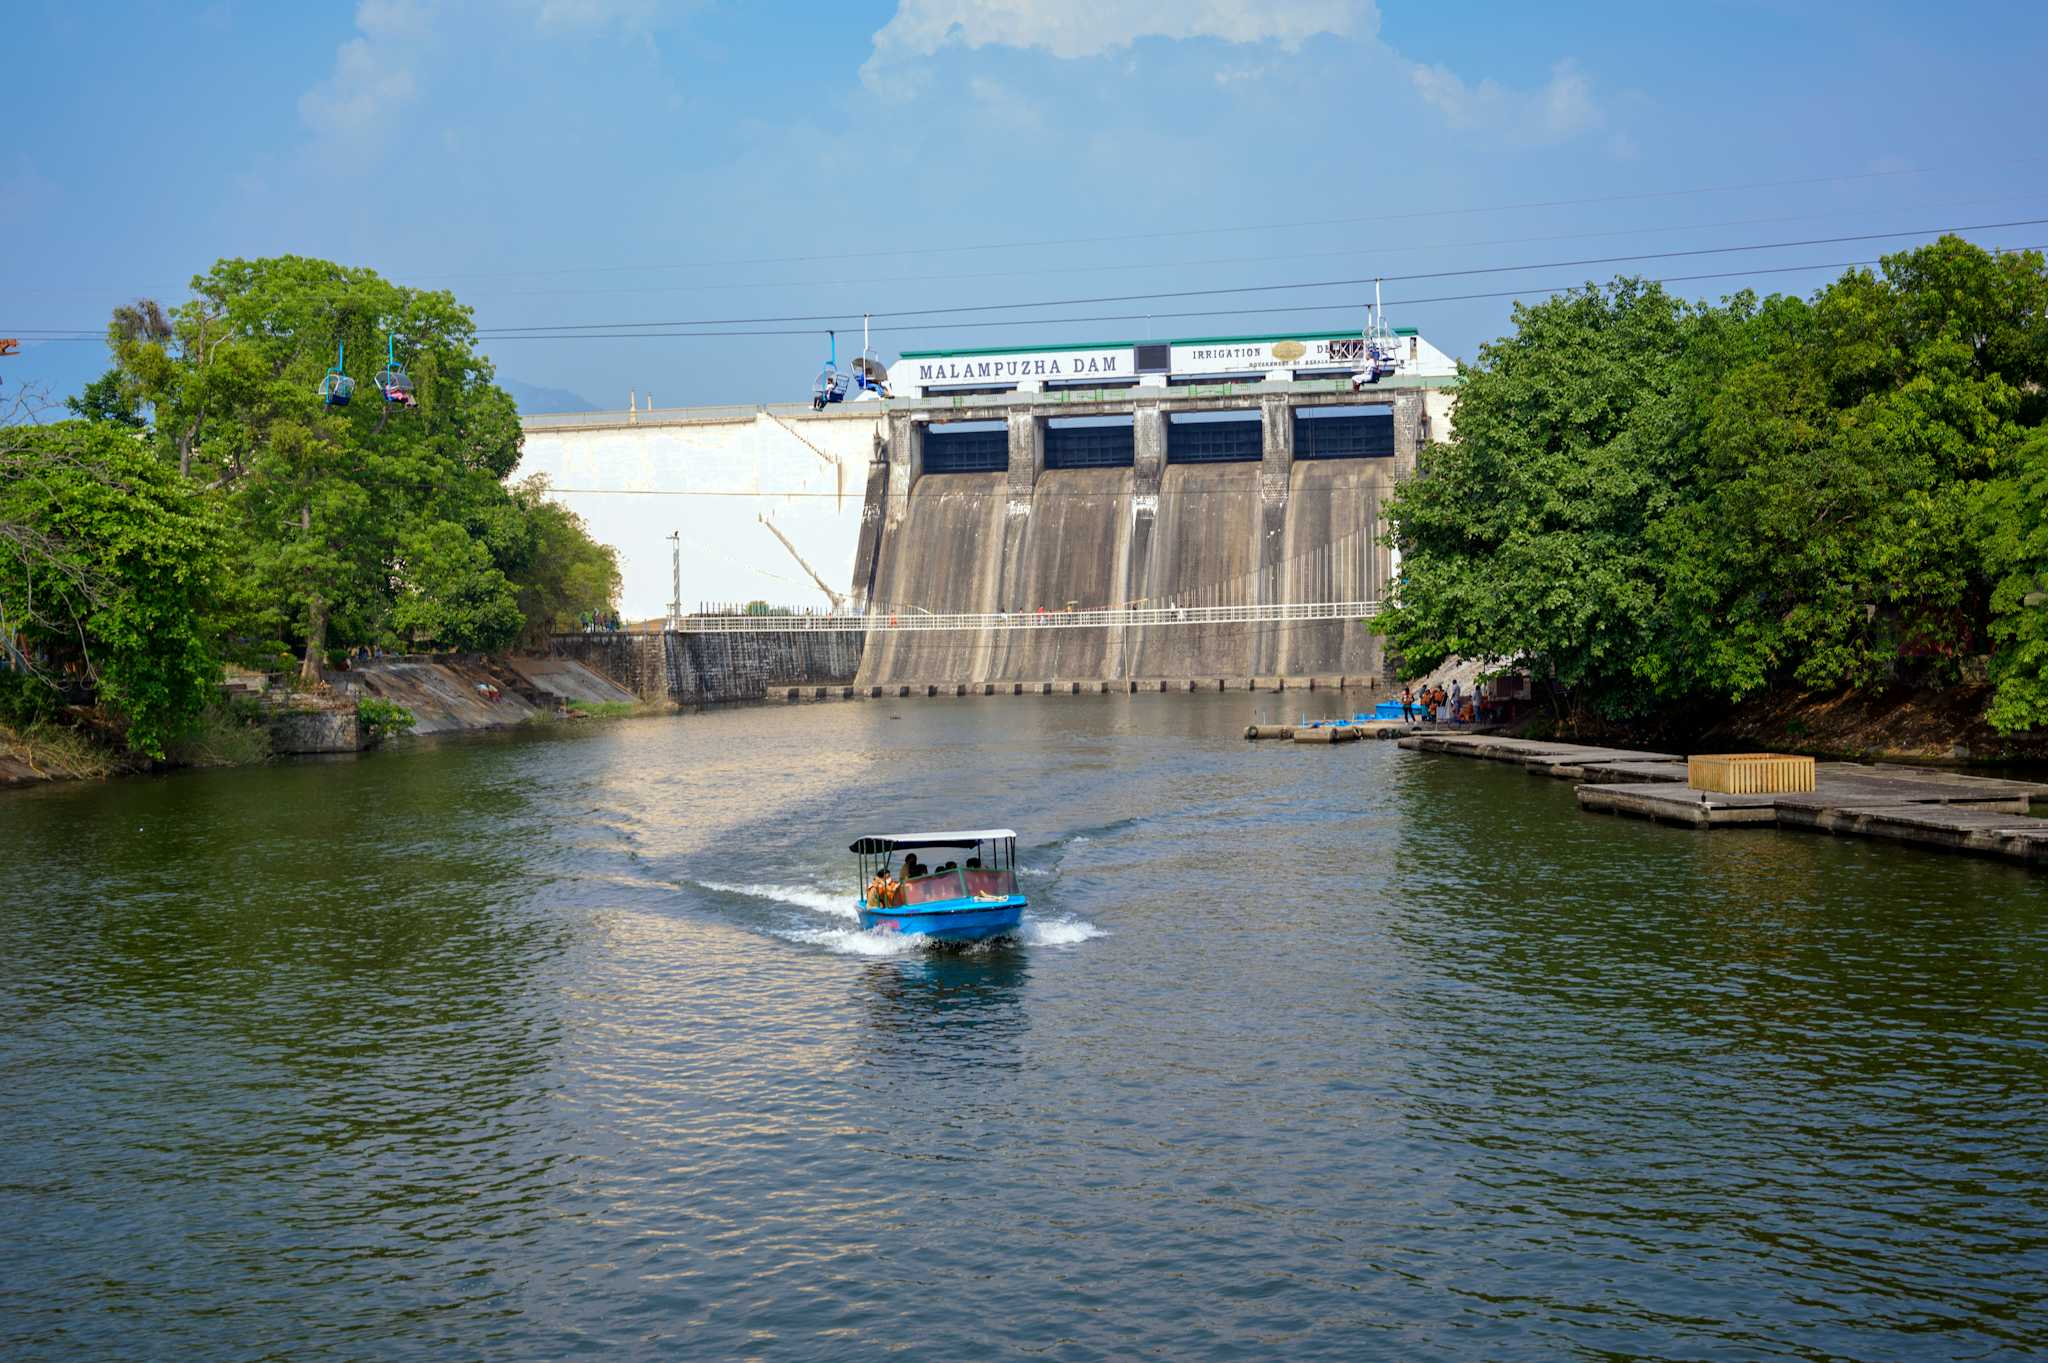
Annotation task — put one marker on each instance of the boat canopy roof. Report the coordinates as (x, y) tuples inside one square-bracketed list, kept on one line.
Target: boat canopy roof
[(896, 842)]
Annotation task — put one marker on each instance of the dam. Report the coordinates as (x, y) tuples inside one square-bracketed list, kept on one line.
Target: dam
[(1144, 527)]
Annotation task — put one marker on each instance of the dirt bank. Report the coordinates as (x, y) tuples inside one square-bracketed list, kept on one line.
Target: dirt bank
[(442, 693), (1898, 725)]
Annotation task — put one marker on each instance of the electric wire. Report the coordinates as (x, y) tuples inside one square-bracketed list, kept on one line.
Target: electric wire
[(1163, 295), (1413, 215), (1348, 306)]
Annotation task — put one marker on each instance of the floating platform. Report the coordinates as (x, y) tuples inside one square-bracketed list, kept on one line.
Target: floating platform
[(1982, 815)]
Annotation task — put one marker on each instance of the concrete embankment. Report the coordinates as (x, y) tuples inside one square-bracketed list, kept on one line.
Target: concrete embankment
[(444, 697), (712, 669), (1939, 809)]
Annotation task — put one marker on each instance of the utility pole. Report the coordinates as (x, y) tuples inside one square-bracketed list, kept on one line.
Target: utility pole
[(675, 579)]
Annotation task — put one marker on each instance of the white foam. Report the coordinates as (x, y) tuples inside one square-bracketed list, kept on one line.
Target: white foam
[(838, 905), (853, 942), (1056, 932)]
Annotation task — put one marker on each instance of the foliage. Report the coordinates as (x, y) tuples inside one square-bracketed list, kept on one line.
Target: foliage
[(107, 398), (381, 719), (565, 574), (1527, 537), (2012, 524), (224, 736), (1662, 505), (365, 524), (604, 709), (121, 593), (57, 752)]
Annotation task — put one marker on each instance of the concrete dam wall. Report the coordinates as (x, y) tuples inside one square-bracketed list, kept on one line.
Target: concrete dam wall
[(710, 669), (1155, 532)]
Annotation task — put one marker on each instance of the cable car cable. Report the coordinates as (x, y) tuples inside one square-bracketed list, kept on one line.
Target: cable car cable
[(1273, 288)]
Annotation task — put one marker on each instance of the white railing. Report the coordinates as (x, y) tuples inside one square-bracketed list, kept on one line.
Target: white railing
[(906, 619)]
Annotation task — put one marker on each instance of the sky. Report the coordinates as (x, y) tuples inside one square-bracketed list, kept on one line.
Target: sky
[(588, 163)]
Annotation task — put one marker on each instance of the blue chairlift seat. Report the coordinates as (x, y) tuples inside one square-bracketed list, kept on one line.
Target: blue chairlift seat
[(395, 385)]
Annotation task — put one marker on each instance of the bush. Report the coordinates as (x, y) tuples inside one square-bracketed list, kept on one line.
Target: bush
[(382, 718), (224, 736)]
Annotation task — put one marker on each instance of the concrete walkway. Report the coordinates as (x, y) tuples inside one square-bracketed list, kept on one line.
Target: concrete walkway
[(1974, 814)]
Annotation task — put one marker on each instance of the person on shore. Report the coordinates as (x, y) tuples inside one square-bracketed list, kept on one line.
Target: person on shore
[(1456, 701), (1408, 704)]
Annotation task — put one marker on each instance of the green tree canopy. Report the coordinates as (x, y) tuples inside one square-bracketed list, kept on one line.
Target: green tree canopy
[(1661, 504), (369, 523), (115, 581)]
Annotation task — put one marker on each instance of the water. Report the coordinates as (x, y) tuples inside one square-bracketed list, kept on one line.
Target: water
[(568, 1045)]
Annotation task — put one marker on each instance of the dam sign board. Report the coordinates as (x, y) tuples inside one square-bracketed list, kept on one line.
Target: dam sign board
[(1023, 366), (1239, 357)]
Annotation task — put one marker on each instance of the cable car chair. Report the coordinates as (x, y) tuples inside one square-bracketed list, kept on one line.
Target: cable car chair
[(336, 387), (392, 381), (831, 384), (869, 375)]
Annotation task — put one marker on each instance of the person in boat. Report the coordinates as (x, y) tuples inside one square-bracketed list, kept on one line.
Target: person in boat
[(912, 867), (883, 891)]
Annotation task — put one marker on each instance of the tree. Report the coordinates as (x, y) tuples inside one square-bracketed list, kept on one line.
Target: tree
[(1525, 539), (1662, 505), (565, 574), (451, 592), (116, 578), (107, 398), (2013, 527), (329, 503)]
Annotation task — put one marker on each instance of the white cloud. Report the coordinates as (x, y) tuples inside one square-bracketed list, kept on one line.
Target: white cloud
[(559, 14), (1561, 109), (378, 71), (1090, 28), (370, 82)]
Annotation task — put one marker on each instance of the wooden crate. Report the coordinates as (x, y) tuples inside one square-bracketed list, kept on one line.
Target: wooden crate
[(1750, 773)]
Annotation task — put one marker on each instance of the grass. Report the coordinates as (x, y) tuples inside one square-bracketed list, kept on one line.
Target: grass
[(56, 753), (222, 738), (605, 709)]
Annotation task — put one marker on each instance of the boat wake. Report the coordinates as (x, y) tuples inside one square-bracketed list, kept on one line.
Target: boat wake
[(1065, 930), (837, 904)]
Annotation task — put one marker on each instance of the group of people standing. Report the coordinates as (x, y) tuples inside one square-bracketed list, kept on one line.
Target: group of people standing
[(1434, 704)]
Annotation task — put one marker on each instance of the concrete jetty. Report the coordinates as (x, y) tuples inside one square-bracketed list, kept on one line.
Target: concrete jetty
[(1981, 815)]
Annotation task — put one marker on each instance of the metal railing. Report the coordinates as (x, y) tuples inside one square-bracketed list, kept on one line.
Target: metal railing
[(901, 619)]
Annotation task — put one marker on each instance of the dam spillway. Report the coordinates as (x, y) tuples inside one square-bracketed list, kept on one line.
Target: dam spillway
[(1184, 498), (1158, 531)]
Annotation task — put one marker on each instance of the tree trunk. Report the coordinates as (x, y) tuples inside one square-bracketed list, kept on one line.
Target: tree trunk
[(316, 642)]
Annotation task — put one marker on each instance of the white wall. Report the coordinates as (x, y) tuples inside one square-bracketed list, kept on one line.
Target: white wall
[(635, 484)]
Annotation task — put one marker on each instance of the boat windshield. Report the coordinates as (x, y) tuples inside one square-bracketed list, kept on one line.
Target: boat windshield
[(959, 883)]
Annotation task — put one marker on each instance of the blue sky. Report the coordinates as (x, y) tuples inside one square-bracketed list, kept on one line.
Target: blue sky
[(559, 162)]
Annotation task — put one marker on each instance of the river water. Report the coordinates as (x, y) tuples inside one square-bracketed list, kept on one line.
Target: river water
[(564, 1044)]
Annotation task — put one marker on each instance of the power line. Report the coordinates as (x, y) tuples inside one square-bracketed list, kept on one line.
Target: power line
[(872, 282), (629, 327), (883, 281), (1411, 216), (1219, 312)]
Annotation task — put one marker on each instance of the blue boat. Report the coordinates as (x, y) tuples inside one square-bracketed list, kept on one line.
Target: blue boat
[(972, 899)]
